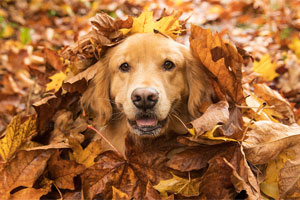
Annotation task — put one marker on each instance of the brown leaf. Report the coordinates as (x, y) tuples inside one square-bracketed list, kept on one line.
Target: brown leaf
[(63, 171), (53, 59), (132, 177), (267, 140), (215, 114), (102, 22), (289, 179), (273, 98), (23, 170), (29, 193), (79, 82), (221, 59)]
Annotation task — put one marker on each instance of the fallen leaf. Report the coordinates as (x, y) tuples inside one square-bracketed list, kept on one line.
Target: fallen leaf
[(63, 171), (80, 81), (85, 156), (273, 98), (266, 68), (178, 185), (29, 193), (215, 114), (53, 59), (221, 59), (267, 140), (295, 46), (23, 170), (56, 81), (16, 134)]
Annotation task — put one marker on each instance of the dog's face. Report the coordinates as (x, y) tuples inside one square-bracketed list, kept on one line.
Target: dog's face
[(147, 77)]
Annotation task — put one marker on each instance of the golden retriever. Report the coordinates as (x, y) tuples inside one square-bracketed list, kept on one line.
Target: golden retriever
[(141, 84)]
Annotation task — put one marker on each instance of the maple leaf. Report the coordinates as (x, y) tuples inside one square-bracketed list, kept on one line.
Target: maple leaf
[(56, 81), (16, 134), (23, 170), (145, 24), (266, 68), (178, 185), (133, 176), (85, 156), (63, 171)]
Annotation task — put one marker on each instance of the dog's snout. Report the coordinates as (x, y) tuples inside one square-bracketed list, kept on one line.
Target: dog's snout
[(144, 98)]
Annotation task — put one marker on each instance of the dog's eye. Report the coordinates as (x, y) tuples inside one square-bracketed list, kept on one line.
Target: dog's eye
[(168, 65), (124, 67)]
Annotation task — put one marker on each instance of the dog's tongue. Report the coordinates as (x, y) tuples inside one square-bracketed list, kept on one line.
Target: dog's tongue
[(146, 122)]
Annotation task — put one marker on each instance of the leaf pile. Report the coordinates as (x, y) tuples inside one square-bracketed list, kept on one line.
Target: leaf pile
[(245, 146)]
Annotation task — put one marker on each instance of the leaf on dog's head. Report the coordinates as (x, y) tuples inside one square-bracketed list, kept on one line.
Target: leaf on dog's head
[(16, 134), (221, 59), (145, 23)]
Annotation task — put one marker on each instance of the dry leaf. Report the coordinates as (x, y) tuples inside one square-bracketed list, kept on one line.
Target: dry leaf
[(29, 193), (79, 82), (145, 24), (221, 59), (178, 185), (273, 98), (63, 171), (85, 156), (16, 134), (56, 81), (267, 140), (23, 170), (215, 114)]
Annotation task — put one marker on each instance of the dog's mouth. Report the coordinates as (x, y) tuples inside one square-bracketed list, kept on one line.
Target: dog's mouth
[(147, 124)]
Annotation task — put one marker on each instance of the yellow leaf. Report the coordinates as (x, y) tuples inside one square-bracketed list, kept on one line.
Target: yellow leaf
[(16, 134), (210, 135), (84, 156), (266, 68), (270, 184), (178, 185), (56, 81), (8, 31), (295, 46), (118, 194), (145, 24)]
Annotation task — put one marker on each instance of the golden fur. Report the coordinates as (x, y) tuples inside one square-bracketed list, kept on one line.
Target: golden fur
[(182, 90)]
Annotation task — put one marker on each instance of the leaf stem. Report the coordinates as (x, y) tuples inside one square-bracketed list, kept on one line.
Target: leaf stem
[(106, 140)]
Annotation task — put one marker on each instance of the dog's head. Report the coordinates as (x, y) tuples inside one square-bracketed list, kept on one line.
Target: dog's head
[(147, 77)]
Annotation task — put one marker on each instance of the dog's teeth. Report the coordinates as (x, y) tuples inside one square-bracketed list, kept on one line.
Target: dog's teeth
[(146, 122)]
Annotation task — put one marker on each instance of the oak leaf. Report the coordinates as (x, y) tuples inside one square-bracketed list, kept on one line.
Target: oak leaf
[(16, 134)]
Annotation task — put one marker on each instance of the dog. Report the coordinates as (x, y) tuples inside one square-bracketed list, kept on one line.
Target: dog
[(143, 85)]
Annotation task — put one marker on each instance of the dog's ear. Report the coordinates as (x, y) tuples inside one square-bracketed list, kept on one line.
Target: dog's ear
[(201, 91), (96, 99)]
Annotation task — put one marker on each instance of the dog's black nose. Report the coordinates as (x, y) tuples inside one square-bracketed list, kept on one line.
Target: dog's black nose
[(144, 98)]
